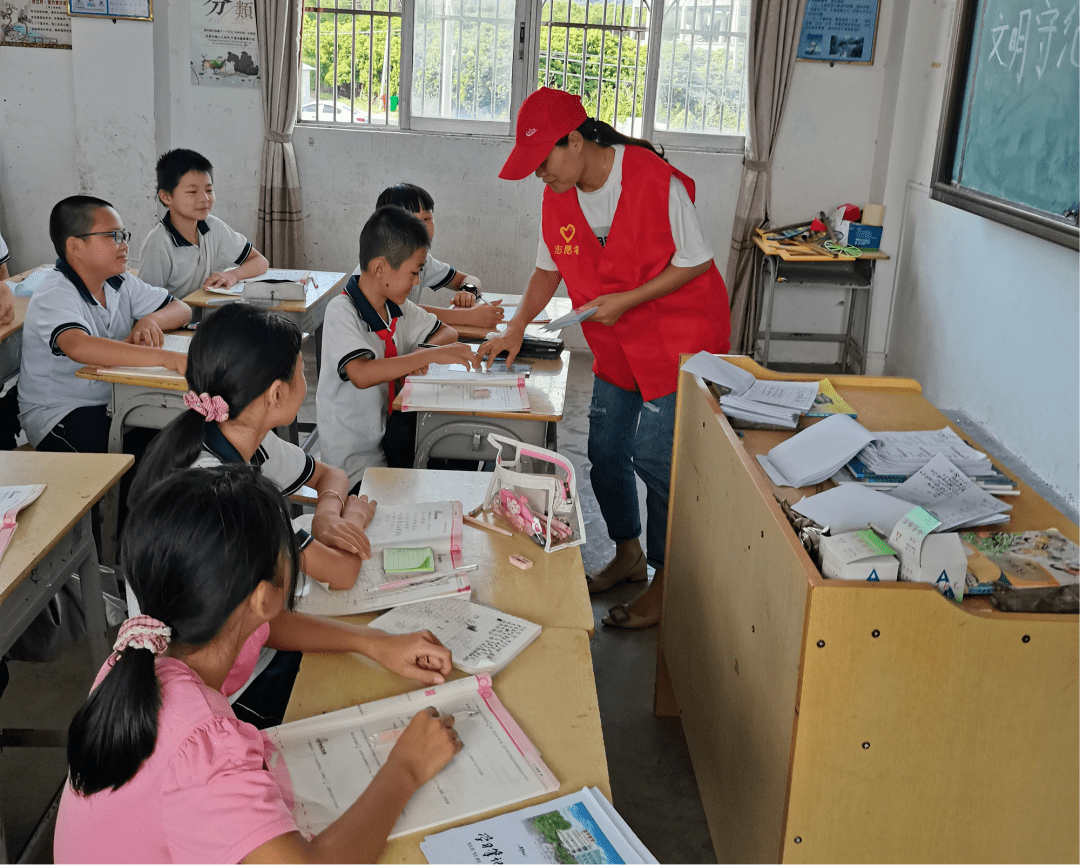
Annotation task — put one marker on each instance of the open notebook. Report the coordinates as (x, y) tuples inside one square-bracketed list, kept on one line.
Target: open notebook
[(173, 342)]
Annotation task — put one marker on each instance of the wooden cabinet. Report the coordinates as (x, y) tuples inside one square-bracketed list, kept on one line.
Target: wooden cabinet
[(835, 721)]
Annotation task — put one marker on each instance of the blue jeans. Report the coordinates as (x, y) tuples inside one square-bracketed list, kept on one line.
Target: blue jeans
[(628, 435)]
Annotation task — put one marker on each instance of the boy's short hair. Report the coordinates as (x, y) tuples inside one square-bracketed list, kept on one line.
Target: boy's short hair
[(175, 164), (70, 218), (407, 196), (393, 234)]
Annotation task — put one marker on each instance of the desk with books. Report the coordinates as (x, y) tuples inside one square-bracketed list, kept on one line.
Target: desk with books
[(848, 721)]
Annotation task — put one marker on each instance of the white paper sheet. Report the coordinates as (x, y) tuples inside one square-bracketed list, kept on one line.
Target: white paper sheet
[(817, 452), (717, 370), (850, 507), (951, 496), (907, 452), (482, 640), (173, 342), (575, 316), (583, 824), (467, 397), (332, 758), (442, 372)]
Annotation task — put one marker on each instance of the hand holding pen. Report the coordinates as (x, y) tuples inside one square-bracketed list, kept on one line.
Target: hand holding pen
[(427, 744)]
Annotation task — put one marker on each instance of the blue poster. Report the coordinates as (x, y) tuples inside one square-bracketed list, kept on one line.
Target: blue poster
[(839, 30)]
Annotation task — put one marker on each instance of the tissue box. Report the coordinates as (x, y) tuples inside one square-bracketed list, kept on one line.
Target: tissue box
[(942, 562), (866, 236), (858, 555)]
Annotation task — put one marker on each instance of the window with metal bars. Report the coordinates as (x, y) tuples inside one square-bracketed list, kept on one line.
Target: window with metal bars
[(669, 70)]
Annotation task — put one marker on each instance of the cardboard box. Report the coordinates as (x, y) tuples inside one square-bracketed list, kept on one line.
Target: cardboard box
[(858, 555), (942, 563)]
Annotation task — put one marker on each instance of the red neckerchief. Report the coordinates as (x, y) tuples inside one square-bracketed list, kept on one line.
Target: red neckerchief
[(387, 336)]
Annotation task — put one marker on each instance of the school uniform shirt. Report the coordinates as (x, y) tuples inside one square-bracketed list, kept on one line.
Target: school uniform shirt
[(4, 253), (203, 795), (48, 387), (432, 289), (352, 420), (169, 259), (598, 208), (282, 462)]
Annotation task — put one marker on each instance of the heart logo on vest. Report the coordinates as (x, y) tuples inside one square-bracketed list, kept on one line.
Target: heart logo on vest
[(567, 232)]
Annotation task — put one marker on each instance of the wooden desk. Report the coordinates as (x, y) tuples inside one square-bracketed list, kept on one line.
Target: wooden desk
[(463, 435), (548, 689), (11, 342), (837, 721), (54, 539), (308, 314), (551, 593)]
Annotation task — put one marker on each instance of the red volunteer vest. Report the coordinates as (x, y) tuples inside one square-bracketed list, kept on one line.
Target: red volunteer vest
[(641, 351)]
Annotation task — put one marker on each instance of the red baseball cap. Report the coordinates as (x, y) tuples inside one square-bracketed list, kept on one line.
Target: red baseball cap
[(545, 117)]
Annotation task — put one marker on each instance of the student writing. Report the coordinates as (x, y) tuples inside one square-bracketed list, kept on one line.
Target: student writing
[(161, 770), (246, 375), (371, 336), (435, 275), (190, 248), (88, 311)]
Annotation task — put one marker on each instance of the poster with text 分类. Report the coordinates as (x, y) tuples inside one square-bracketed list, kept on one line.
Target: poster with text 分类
[(224, 44), (35, 24)]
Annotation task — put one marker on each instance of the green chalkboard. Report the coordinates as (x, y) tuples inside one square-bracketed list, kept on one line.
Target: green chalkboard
[(1009, 146)]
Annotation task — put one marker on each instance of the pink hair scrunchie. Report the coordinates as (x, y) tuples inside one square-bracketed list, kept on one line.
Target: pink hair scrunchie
[(212, 408), (143, 632)]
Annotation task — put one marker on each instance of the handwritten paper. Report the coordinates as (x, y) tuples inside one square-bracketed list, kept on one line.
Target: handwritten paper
[(464, 397), (951, 496)]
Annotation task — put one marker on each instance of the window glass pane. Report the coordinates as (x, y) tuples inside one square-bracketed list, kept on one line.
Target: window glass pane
[(463, 52), (701, 85), (597, 49), (350, 52)]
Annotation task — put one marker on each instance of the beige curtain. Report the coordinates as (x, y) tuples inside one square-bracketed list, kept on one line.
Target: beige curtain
[(773, 42), (279, 231)]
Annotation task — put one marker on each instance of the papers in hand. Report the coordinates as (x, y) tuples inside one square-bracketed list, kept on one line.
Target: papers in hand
[(330, 759), (815, 453), (751, 399), (575, 316), (581, 827), (482, 640), (12, 500), (437, 525), (173, 342)]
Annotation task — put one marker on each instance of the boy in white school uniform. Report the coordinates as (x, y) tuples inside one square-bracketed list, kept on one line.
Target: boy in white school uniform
[(190, 248), (88, 311), (373, 336)]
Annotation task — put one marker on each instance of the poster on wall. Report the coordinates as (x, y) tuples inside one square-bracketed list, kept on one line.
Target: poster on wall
[(839, 31), (35, 24), (139, 10), (224, 46)]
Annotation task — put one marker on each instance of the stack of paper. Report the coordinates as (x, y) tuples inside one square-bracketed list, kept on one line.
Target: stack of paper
[(455, 390), (330, 759), (951, 496), (778, 403), (904, 453), (581, 827), (816, 453), (481, 639), (434, 525)]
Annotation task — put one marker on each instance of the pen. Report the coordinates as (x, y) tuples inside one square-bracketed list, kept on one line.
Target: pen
[(426, 578), (388, 737), (480, 524)]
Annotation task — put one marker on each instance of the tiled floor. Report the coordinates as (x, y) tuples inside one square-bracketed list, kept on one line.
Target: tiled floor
[(651, 777)]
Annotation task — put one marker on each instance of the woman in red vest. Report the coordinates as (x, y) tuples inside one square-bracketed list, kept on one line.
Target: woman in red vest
[(619, 227)]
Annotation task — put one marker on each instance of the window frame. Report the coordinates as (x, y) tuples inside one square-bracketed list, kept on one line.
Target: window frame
[(525, 69)]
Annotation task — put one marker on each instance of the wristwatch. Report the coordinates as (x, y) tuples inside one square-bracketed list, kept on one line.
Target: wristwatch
[(474, 290)]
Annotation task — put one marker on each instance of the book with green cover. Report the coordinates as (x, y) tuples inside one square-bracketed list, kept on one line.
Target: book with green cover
[(408, 560), (829, 402)]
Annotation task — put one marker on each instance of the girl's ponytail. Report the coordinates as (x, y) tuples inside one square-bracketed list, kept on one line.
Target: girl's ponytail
[(116, 729)]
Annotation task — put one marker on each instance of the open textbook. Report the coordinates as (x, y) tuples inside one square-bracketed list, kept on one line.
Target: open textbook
[(173, 342), (443, 388), (13, 500), (330, 759), (437, 525), (581, 827), (481, 639)]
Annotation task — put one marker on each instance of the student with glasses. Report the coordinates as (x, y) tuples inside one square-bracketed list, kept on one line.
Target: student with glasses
[(88, 311)]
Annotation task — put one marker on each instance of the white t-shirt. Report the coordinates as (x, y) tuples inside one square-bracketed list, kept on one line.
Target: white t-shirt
[(352, 421), (598, 207), (48, 387), (168, 259)]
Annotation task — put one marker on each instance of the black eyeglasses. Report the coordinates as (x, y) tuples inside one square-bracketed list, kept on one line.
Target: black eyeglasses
[(120, 236)]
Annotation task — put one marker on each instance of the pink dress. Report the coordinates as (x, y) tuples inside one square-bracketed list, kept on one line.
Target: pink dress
[(204, 795)]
